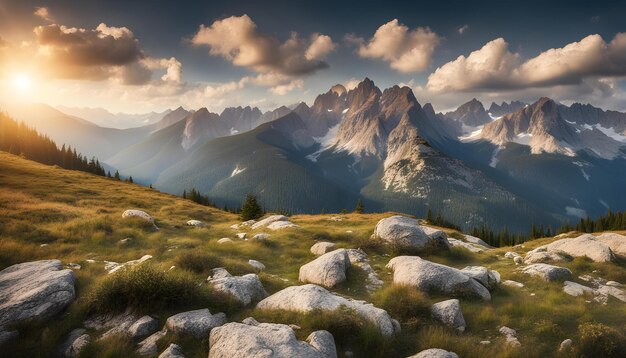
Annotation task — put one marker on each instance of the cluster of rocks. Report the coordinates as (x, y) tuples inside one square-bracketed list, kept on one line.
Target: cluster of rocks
[(599, 288), (244, 289), (274, 222), (474, 281), (601, 248)]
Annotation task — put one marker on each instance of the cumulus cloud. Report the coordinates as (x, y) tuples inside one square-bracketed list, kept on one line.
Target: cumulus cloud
[(494, 67), (238, 40), (105, 52), (406, 50), (43, 13)]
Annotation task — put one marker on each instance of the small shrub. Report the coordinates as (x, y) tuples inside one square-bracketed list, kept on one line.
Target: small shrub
[(198, 261), (404, 303), (144, 288), (598, 340)]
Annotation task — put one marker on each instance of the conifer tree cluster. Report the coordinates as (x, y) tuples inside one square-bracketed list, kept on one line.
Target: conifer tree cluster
[(197, 197), (251, 209), (610, 221), (19, 139)]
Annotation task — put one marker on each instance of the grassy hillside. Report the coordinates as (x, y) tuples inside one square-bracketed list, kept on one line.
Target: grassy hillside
[(77, 217)]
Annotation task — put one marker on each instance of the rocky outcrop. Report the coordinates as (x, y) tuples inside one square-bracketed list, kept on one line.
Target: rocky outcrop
[(435, 353), (74, 343), (327, 270), (584, 245), (149, 345), (576, 289), (196, 323), (34, 291), (512, 283), (256, 265), (542, 255), (465, 245), (253, 339), (274, 222), (488, 278), (616, 242), (261, 236), (225, 240), (547, 272), (112, 267), (320, 248), (308, 298), (139, 214), (359, 259), (143, 327), (432, 277), (405, 232), (127, 323), (449, 313), (173, 351), (245, 289)]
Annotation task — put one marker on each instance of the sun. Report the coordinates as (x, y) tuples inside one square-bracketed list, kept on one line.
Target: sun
[(22, 82)]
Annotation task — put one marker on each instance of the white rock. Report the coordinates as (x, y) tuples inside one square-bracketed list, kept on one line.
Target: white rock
[(196, 223), (584, 245), (267, 340), (248, 223), (322, 247), (75, 342), (488, 278), (143, 327), (279, 225), (477, 241), (113, 323), (256, 265), (140, 214), (512, 283), (173, 351), (327, 270), (112, 267), (612, 291), (402, 231), (518, 260), (566, 345), (196, 323), (34, 291), (273, 222), (241, 235), (224, 240), (432, 277), (234, 226), (542, 255), (434, 234), (245, 289), (465, 245), (547, 272), (511, 336), (218, 273), (359, 259), (435, 353), (511, 255), (261, 236), (308, 298), (616, 242), (149, 345), (484, 343), (575, 289), (449, 313)]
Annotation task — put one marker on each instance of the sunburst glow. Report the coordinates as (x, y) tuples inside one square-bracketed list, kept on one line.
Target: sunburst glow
[(22, 82)]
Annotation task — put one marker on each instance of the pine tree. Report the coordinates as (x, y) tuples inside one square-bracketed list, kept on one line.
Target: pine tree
[(359, 207), (130, 179), (250, 209), (117, 175)]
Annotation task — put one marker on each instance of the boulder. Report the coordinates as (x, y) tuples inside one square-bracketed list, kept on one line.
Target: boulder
[(139, 214), (267, 340), (511, 336), (547, 272), (583, 245), (616, 292), (511, 255), (449, 313), (149, 345), (518, 260), (327, 270), (196, 323), (34, 291), (217, 273), (542, 255), (566, 345), (241, 235), (279, 225), (308, 298), (322, 247), (488, 278), (435, 353), (75, 342), (224, 240), (173, 351), (512, 283), (616, 242), (261, 236), (477, 241), (273, 222), (434, 234), (432, 277), (405, 232), (465, 245), (576, 289), (245, 289), (113, 323), (196, 223), (256, 265), (359, 259), (143, 327), (112, 267)]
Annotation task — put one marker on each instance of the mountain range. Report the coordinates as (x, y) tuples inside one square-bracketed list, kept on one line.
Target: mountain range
[(510, 166)]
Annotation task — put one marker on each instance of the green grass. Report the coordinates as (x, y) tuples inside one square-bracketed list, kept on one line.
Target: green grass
[(78, 216)]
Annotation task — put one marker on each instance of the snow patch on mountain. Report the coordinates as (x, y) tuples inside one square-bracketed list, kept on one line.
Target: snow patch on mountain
[(236, 171), (494, 158), (585, 175)]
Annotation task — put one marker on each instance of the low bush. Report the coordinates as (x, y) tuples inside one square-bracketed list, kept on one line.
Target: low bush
[(200, 262), (598, 340), (404, 303)]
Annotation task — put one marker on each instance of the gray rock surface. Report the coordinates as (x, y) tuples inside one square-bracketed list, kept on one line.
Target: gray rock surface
[(402, 231), (566, 345), (173, 351), (196, 223), (432, 277), (583, 245), (245, 289), (256, 265), (149, 345), (34, 290), (139, 214), (308, 298), (512, 283), (261, 236), (576, 289), (511, 255), (435, 353), (112, 267), (547, 272), (74, 343), (327, 270), (510, 335), (488, 278), (322, 247), (616, 242), (197, 323), (267, 340), (449, 313), (359, 259), (542, 255), (465, 245), (274, 222), (143, 327)]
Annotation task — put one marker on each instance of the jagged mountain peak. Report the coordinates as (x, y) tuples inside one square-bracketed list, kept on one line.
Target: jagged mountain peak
[(365, 91), (339, 90), (471, 113)]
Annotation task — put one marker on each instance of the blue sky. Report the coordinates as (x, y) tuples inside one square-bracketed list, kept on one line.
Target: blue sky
[(165, 29)]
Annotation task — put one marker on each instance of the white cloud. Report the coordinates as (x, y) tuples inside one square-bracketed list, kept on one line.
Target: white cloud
[(406, 50), (282, 90), (463, 29), (494, 67), (44, 13), (321, 45), (351, 83)]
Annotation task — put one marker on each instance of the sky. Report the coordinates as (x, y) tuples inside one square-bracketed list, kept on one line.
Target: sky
[(142, 56)]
